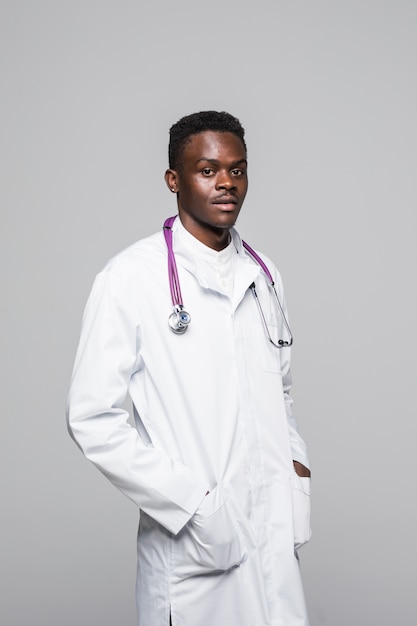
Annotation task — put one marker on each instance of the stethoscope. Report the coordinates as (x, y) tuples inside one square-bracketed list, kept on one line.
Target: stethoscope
[(180, 319)]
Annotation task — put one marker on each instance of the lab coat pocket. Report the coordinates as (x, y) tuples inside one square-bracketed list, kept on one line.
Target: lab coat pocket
[(301, 489), (210, 542)]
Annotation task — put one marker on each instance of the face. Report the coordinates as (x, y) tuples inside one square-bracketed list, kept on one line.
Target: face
[(210, 184)]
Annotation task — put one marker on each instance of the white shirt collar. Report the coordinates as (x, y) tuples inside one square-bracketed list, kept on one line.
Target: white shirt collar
[(202, 251)]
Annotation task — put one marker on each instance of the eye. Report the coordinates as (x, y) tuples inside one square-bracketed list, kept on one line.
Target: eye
[(238, 172), (207, 171)]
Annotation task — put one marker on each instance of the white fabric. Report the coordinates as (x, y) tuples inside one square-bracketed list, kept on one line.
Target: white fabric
[(220, 265), (212, 412)]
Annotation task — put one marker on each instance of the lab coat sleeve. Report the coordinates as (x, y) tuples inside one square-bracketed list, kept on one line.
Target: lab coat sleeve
[(107, 357), (298, 446)]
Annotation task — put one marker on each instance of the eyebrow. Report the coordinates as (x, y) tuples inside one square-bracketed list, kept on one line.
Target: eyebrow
[(216, 162)]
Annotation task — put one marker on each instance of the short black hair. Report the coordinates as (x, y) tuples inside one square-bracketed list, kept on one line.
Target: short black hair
[(181, 131)]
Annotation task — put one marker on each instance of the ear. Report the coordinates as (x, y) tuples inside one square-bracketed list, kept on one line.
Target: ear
[(171, 179)]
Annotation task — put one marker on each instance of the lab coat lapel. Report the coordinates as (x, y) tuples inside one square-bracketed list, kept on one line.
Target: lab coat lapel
[(187, 260), (246, 269)]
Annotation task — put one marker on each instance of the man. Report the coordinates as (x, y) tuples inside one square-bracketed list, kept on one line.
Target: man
[(215, 463)]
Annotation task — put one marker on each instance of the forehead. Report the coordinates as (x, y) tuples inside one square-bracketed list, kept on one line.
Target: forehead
[(221, 146)]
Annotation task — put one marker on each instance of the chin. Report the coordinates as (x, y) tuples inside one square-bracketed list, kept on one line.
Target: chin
[(226, 221), (224, 225)]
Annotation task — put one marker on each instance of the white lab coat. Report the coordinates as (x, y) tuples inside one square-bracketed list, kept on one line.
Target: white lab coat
[(212, 413)]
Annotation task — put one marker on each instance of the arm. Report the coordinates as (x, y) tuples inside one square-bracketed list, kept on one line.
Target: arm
[(298, 447), (107, 357)]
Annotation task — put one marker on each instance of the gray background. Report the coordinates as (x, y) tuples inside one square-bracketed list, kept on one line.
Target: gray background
[(327, 93)]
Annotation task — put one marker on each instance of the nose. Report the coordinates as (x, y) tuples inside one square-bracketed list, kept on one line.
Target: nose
[(225, 180)]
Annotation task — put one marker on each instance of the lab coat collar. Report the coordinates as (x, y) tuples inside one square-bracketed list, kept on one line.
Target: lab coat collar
[(193, 258)]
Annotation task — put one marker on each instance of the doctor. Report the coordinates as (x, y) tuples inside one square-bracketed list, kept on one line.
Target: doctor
[(215, 463)]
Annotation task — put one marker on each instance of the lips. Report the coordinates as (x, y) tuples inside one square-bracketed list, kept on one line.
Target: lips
[(225, 200)]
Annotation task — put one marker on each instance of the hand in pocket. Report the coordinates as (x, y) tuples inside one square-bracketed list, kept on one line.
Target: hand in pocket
[(301, 489), (210, 542)]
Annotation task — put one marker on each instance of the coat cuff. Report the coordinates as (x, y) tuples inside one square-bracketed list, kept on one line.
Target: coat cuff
[(175, 520)]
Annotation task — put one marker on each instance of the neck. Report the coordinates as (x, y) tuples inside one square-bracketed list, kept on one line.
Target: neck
[(210, 236)]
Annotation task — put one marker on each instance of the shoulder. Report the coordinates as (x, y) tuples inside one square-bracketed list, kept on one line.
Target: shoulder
[(140, 254), (136, 264), (242, 246), (132, 268), (273, 270)]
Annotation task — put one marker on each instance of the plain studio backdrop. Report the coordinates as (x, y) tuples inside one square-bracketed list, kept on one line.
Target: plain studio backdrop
[(327, 93)]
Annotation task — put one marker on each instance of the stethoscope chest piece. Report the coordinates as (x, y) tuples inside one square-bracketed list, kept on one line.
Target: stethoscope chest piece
[(179, 320)]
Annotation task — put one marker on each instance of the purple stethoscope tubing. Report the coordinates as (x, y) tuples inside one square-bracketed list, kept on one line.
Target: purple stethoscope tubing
[(180, 319), (174, 281)]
